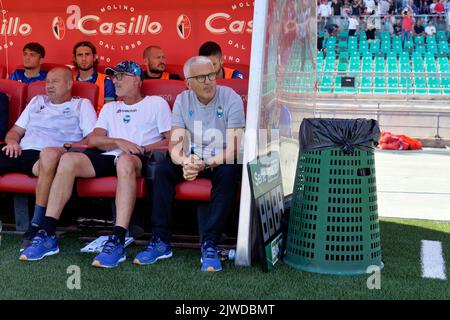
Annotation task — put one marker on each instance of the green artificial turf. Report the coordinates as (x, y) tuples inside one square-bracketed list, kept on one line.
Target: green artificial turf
[(180, 277)]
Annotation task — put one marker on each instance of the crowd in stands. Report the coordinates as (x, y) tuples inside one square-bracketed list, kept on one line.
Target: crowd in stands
[(398, 17)]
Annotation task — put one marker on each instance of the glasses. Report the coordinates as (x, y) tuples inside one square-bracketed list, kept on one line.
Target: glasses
[(119, 76), (202, 77)]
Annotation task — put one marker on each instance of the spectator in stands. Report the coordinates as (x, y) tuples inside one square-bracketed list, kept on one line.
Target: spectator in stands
[(323, 11), (205, 104), (432, 7), (155, 60), (370, 28), (125, 131), (430, 30), (47, 123), (346, 10), (85, 61), (397, 27), (407, 25), (370, 6), (213, 51), (4, 110), (353, 25), (336, 6), (419, 30), (383, 7), (423, 7), (32, 55), (357, 8)]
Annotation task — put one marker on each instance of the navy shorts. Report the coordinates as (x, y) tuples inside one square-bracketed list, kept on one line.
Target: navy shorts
[(104, 165)]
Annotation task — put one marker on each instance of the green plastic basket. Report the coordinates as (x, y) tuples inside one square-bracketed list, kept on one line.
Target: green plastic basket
[(333, 225)]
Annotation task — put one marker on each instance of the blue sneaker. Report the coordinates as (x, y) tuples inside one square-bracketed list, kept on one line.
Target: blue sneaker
[(41, 246), (112, 254), (155, 250), (210, 257)]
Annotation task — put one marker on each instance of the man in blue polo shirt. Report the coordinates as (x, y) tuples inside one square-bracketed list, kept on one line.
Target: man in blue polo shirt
[(85, 61), (32, 55), (210, 119)]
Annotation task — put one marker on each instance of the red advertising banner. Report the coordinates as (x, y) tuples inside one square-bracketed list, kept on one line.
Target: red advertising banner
[(123, 29)]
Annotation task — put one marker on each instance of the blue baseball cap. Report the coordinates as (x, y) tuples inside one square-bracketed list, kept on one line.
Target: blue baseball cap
[(129, 67)]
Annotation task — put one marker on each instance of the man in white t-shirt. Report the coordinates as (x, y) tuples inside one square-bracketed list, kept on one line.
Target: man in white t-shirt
[(124, 132), (35, 143), (353, 25)]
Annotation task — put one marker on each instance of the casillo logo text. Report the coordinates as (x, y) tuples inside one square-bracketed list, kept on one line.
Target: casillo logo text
[(216, 23), (93, 25), (13, 27)]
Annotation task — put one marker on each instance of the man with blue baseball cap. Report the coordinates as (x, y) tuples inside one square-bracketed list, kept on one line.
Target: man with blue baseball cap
[(124, 132)]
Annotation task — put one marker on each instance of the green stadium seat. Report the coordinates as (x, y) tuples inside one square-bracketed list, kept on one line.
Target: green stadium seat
[(343, 35), (419, 40), (375, 47), (393, 87), (434, 85), (337, 85), (380, 85), (342, 66), (443, 64), (366, 85), (379, 64), (432, 48), (420, 86), (443, 48), (421, 48), (431, 39), (445, 82), (385, 35), (408, 45), (363, 47), (440, 36), (327, 83), (342, 46)]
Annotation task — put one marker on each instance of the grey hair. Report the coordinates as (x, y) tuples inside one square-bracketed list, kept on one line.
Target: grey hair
[(192, 61)]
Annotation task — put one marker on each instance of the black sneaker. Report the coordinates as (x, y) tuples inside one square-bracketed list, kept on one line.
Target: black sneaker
[(28, 236)]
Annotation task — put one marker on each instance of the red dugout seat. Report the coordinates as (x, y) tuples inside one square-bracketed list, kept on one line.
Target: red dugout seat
[(16, 92), (47, 66), (175, 69), (167, 89), (105, 187), (79, 89), (2, 72), (238, 85)]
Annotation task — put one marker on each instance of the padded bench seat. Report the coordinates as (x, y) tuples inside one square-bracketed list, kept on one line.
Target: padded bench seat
[(105, 187), (18, 183)]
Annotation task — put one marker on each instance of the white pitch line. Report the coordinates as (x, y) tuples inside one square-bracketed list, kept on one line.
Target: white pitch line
[(433, 264)]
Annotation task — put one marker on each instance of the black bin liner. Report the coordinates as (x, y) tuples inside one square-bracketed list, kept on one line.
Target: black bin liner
[(347, 134)]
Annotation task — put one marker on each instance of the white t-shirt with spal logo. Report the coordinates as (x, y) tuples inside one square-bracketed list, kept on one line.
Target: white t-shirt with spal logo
[(142, 123), (52, 125)]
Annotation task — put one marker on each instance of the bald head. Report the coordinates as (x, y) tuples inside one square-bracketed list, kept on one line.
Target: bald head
[(58, 85)]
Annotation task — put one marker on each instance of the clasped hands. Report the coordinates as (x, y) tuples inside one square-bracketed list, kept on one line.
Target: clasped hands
[(192, 166)]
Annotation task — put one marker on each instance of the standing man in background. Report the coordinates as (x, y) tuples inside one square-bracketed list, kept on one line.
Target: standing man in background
[(155, 60), (213, 51), (85, 61)]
